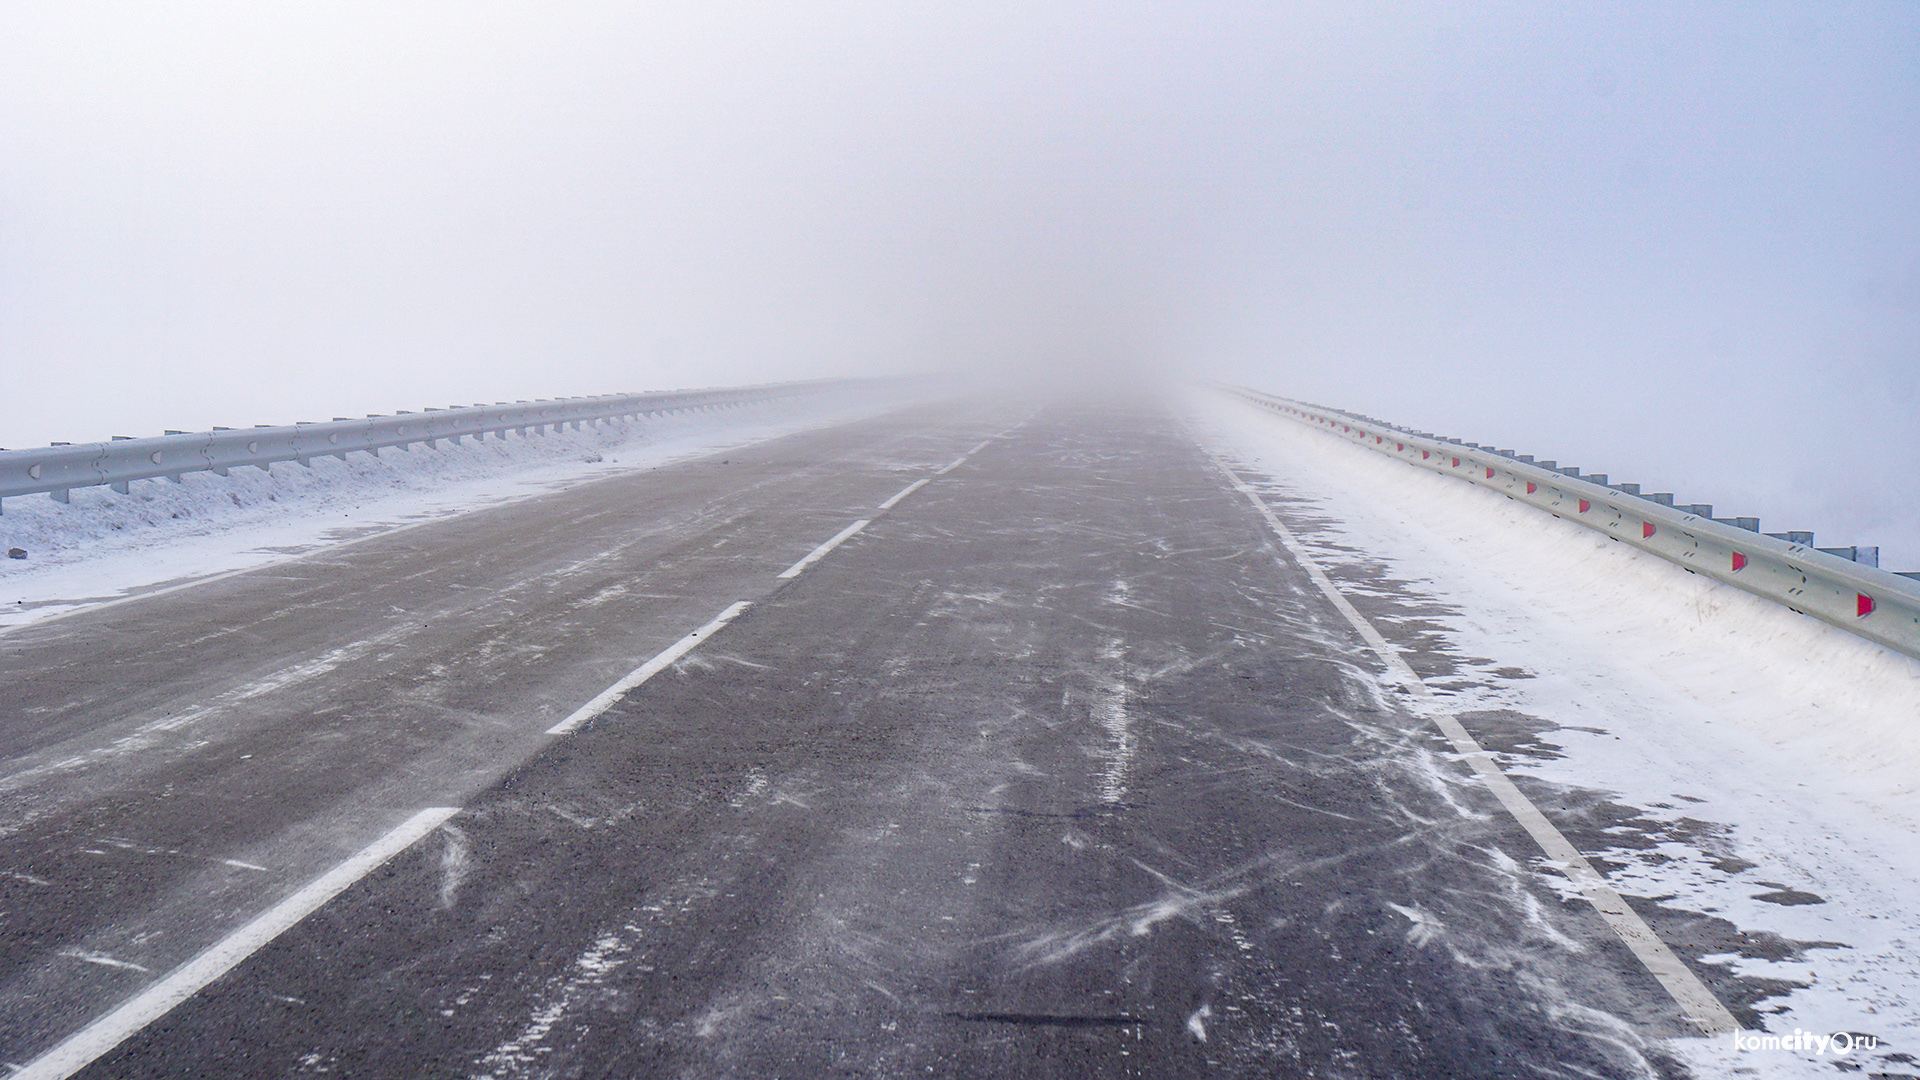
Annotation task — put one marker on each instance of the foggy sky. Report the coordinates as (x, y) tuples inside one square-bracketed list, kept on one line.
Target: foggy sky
[(1679, 243)]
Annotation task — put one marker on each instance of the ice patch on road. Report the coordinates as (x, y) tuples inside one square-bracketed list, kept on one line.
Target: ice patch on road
[(1424, 926), (103, 960), (1197, 1023), (1109, 709), (456, 862)]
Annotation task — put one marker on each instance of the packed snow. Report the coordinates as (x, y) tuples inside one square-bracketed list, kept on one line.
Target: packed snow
[(1777, 757), (104, 547)]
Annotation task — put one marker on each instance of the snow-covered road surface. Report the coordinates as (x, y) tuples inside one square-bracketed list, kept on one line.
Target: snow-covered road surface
[(1754, 770), (1058, 765)]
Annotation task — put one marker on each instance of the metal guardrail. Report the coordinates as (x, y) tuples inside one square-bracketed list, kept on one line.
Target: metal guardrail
[(1856, 597), (57, 469)]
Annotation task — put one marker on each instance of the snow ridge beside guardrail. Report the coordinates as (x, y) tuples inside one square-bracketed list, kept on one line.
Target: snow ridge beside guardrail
[(1879, 606), (57, 469)]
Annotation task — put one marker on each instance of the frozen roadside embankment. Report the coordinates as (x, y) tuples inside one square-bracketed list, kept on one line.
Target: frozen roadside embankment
[(104, 546), (1750, 775)]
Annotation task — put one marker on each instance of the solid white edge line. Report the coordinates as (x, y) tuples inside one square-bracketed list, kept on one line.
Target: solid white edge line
[(904, 492), (85, 1046), (1699, 1004), (982, 446), (604, 699), (951, 465), (838, 538)]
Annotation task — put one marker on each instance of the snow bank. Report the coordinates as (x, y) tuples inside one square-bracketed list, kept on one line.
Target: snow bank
[(1808, 693), (1731, 725), (106, 546)]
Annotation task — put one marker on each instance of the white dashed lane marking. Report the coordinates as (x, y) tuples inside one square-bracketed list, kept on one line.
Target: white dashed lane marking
[(85, 1046), (88, 1044), (665, 658), (812, 556), (904, 492)]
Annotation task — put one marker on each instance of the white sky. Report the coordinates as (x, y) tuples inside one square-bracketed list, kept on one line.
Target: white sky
[(1679, 243)]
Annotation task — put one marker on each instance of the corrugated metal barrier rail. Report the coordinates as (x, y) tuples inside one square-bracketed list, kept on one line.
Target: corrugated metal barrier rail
[(57, 469), (1841, 586)]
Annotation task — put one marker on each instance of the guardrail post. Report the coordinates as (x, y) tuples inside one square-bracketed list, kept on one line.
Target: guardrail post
[(1841, 586), (64, 466), (1866, 556)]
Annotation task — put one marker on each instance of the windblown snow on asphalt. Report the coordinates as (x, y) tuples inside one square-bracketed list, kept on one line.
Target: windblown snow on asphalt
[(104, 546), (1761, 768)]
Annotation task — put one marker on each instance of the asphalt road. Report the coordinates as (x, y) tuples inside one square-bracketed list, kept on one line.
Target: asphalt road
[(1061, 766)]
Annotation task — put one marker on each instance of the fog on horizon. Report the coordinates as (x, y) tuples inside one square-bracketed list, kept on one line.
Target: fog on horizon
[(1678, 243)]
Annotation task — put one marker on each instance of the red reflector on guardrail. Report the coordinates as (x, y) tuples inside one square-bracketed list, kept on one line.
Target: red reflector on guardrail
[(1864, 605), (1532, 487), (1456, 463), (1489, 472), (1585, 506), (1646, 529), (1424, 455), (1399, 446), (1739, 561)]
